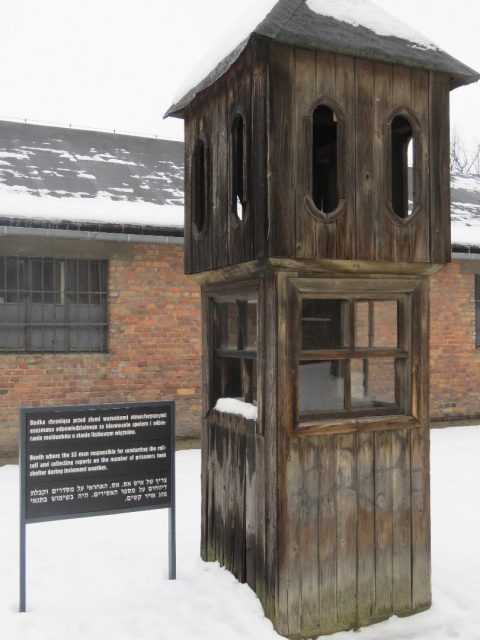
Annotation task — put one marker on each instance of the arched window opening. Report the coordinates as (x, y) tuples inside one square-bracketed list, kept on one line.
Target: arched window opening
[(199, 195), (410, 161), (239, 191), (325, 159), (403, 167)]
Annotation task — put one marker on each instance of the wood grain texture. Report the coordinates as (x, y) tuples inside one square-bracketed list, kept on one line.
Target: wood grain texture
[(365, 160), (281, 152), (384, 226), (440, 247)]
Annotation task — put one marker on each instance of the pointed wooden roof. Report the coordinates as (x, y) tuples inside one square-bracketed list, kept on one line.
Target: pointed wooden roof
[(296, 23)]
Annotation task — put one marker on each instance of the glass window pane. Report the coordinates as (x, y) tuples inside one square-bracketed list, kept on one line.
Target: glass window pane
[(251, 332), (231, 377), (373, 382), (227, 323), (12, 338), (15, 280), (385, 324), (362, 325), (322, 386), (323, 324)]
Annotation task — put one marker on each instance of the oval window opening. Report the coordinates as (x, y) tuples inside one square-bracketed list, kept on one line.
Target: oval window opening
[(239, 199), (325, 159), (403, 167), (199, 186)]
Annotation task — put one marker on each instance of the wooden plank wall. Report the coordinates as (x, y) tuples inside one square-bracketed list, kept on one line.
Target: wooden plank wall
[(234, 527), (228, 241), (352, 502), (367, 93), (276, 87)]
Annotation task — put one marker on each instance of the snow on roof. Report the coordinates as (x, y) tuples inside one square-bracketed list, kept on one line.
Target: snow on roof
[(362, 13), (57, 174), (465, 198), (352, 27)]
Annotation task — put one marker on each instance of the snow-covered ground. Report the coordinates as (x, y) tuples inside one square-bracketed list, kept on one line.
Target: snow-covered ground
[(106, 577)]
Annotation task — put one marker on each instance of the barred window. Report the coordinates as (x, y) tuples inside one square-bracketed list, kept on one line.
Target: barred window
[(53, 305)]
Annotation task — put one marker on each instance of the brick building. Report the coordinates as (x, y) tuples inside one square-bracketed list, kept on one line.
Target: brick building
[(94, 306), (83, 206), (455, 311)]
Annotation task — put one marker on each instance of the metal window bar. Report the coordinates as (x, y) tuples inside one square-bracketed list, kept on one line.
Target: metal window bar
[(41, 312)]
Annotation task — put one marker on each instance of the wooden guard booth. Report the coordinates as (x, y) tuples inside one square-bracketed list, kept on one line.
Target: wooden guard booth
[(317, 206)]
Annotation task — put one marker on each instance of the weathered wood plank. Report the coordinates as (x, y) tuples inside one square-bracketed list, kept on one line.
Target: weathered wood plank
[(305, 92), (272, 487), (383, 524), (440, 246), (236, 101), (402, 528), (260, 534), (258, 176), (206, 453), (421, 564), (421, 224), (308, 536), (384, 227), (346, 530), (251, 500), (281, 167), (290, 596), (345, 96), (188, 204), (220, 183), (327, 534), (365, 527), (364, 170), (288, 487)]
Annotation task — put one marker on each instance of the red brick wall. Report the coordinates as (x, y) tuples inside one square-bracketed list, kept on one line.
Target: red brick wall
[(454, 360), (154, 349)]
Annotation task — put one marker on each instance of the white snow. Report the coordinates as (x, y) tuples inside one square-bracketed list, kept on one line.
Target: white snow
[(354, 12), (225, 41), (18, 202), (367, 14), (469, 182), (237, 407), (106, 577)]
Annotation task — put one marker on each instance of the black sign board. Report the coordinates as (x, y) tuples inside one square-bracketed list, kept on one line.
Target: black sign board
[(94, 460)]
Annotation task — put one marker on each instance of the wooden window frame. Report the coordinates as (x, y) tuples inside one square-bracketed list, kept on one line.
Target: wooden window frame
[(198, 232), (239, 113), (310, 206), (246, 356), (418, 165), (406, 292)]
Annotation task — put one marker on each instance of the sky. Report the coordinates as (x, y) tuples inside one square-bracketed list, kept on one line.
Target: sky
[(117, 64)]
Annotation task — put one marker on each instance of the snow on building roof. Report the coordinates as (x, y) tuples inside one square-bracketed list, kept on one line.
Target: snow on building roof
[(352, 27), (72, 177), (79, 179), (465, 198)]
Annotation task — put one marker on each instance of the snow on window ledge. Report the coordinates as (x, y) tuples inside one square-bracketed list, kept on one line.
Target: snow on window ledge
[(237, 407)]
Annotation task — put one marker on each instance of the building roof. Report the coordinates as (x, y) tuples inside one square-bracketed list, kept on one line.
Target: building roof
[(70, 178), (351, 27), (465, 197)]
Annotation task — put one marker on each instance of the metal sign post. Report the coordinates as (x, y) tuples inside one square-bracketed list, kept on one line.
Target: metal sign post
[(88, 460)]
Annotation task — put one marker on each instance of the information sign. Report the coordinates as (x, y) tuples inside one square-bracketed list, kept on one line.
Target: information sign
[(95, 460)]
